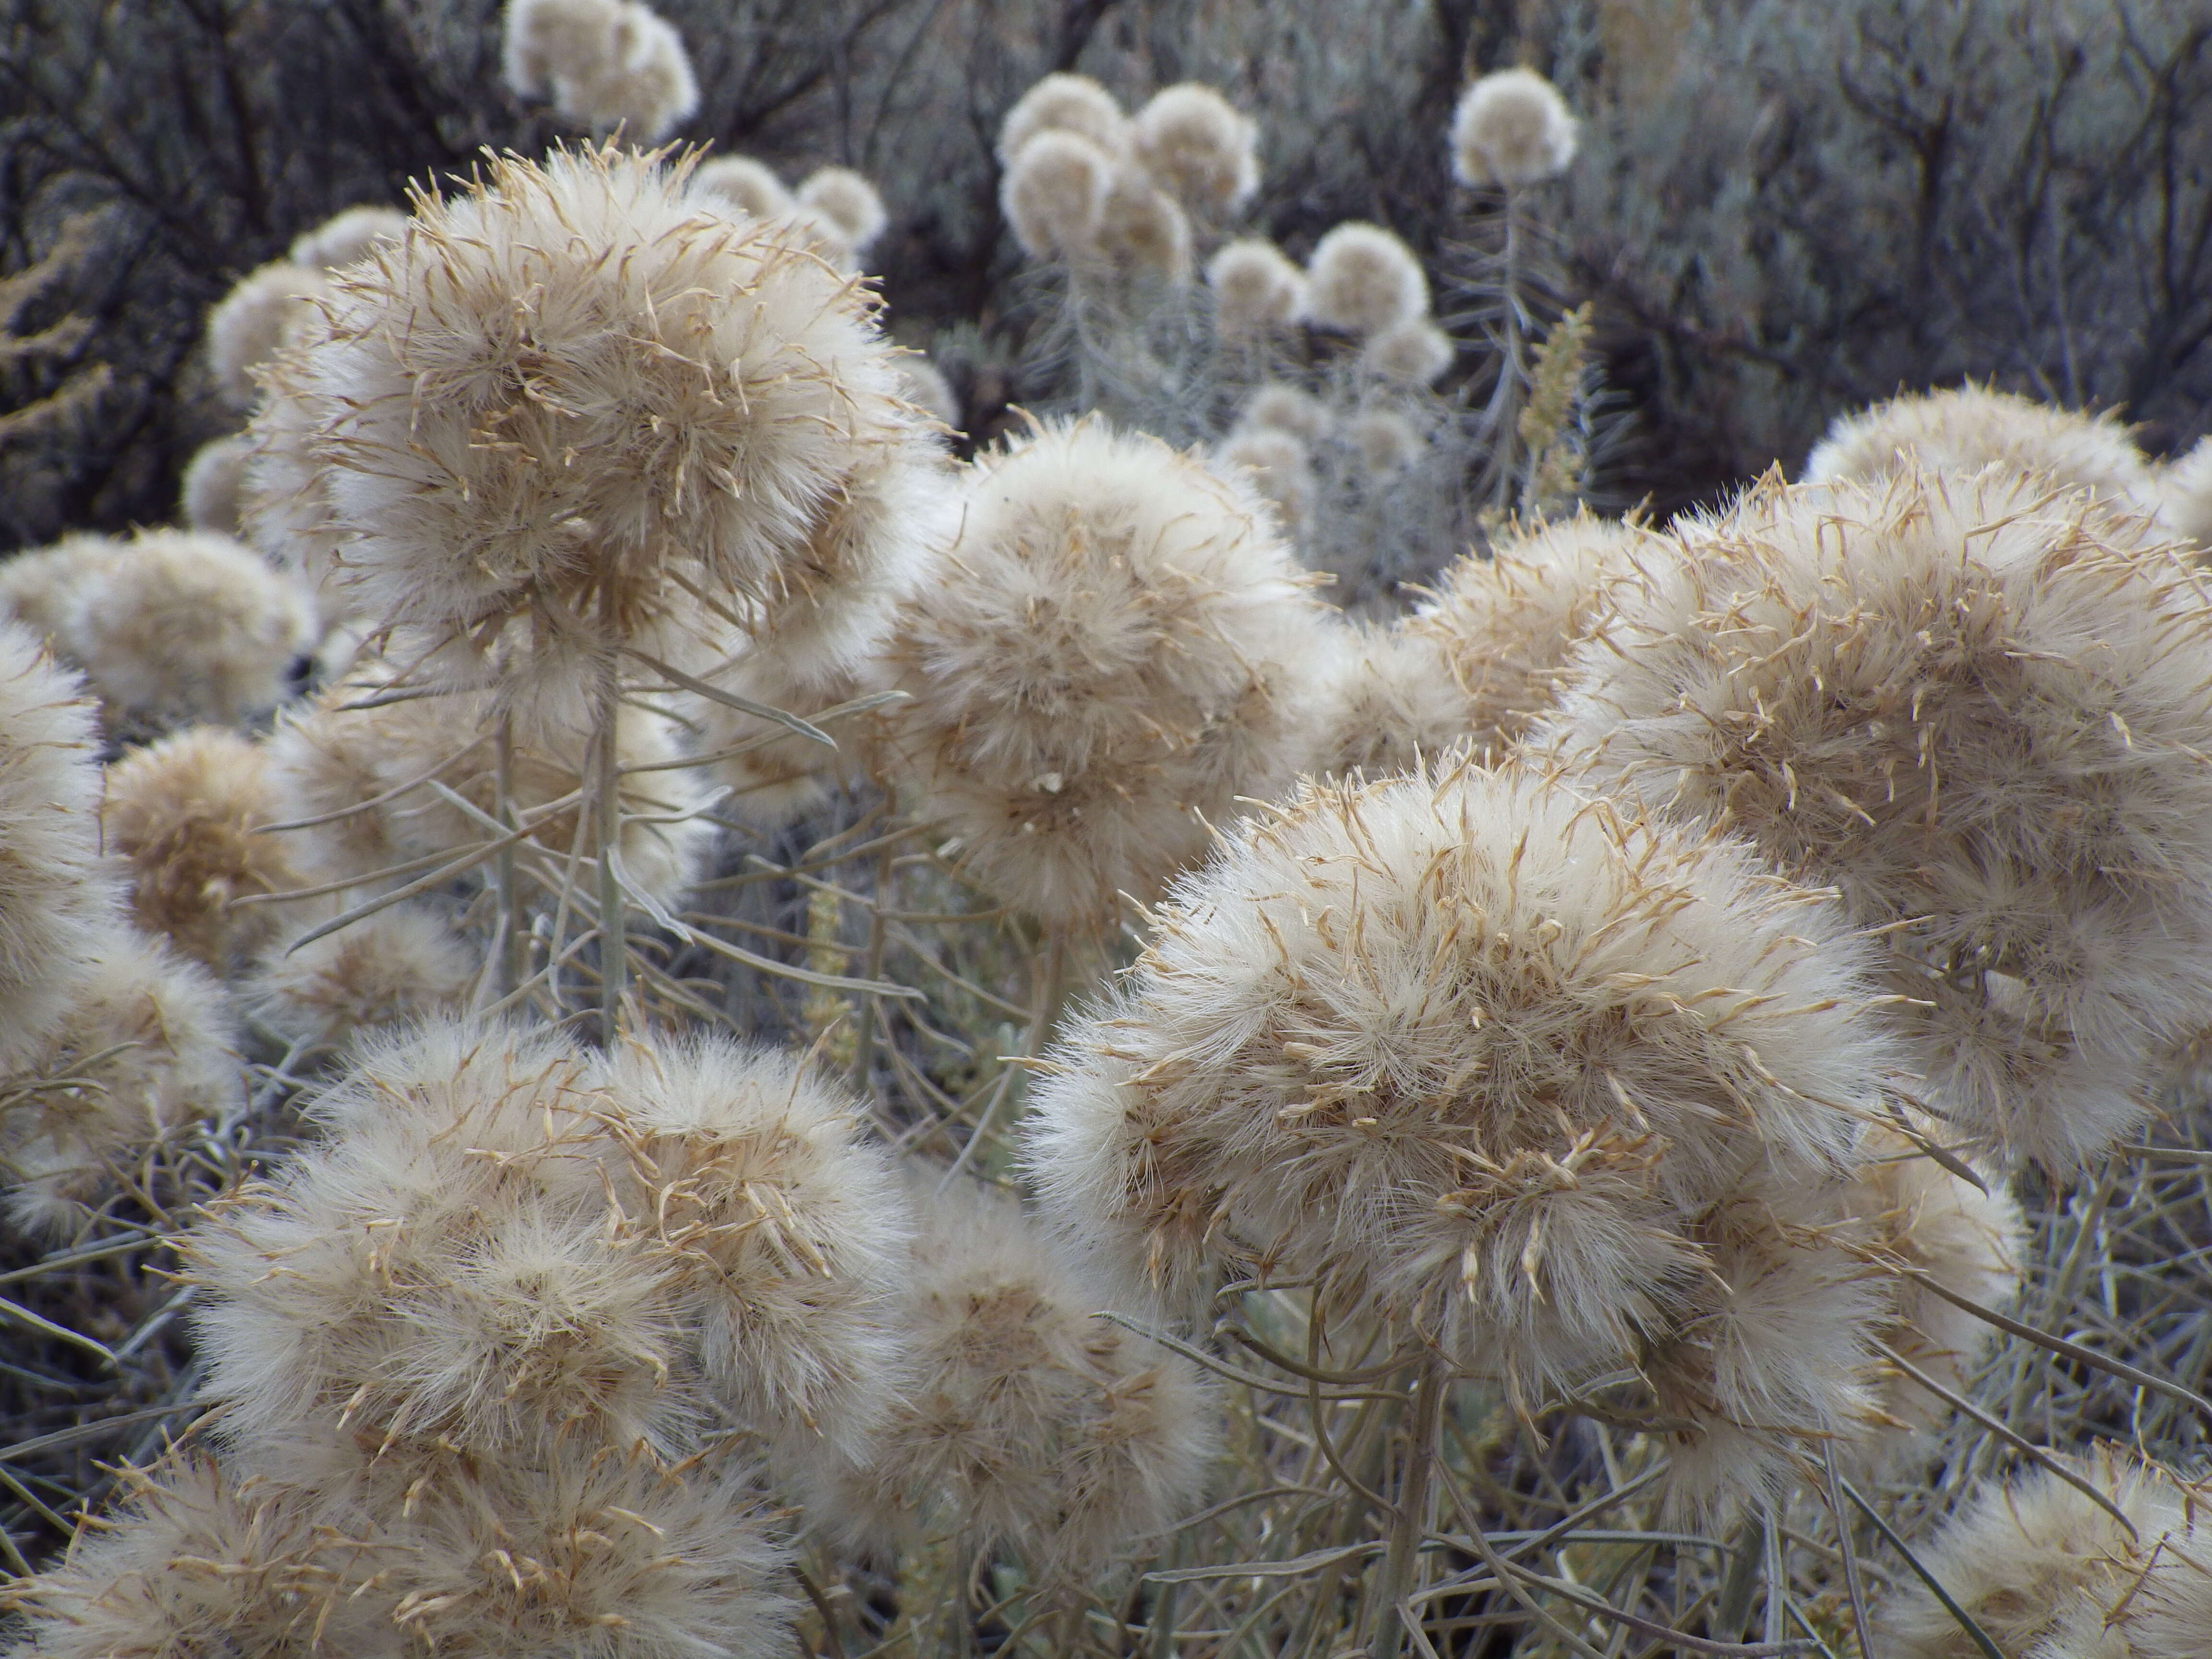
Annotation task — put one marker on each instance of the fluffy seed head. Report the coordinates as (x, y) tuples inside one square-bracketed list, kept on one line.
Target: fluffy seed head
[(1064, 103), (1508, 625), (743, 1174), (851, 203), (256, 319), (183, 814), (750, 187), (1198, 147), (348, 238), (643, 87), (685, 398), (402, 963), (1256, 289), (1966, 429), (1362, 280), (2185, 496), (1029, 1424), (1974, 706), (923, 385), (54, 885), (39, 589), (1483, 1054), (1280, 468), (1285, 408), (1511, 128), (1143, 236), (1388, 701), (144, 1050), (545, 42), (1112, 653), (1411, 353), (1053, 195), (213, 484), (1387, 440)]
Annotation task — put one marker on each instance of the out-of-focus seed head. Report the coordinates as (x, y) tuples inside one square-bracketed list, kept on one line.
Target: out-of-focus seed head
[(1199, 147), (1511, 128), (1363, 281)]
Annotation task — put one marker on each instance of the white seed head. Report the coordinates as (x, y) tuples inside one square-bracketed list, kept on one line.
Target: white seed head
[(268, 309), (1257, 289), (1362, 280), (1053, 195), (1064, 103), (850, 202), (1967, 429), (1199, 147), (1414, 353), (214, 482), (348, 238), (1511, 128)]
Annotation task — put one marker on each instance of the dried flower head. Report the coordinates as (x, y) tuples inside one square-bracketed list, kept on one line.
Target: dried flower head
[(1053, 195), (1281, 407), (1143, 236), (54, 885), (1362, 280), (1511, 128), (850, 202), (2184, 488), (144, 1051), (1973, 705), (1488, 1056), (1030, 1424), (399, 964), (1387, 440), (214, 482), (268, 309), (1256, 288), (184, 814), (440, 1273), (1387, 700), (743, 1174), (545, 41), (923, 385), (1199, 147), (1112, 653), (1507, 625), (642, 89), (1278, 466), (194, 1561), (348, 238), (1064, 103), (40, 588), (750, 187), (2043, 1569), (1967, 429), (596, 1553), (1414, 353), (687, 402)]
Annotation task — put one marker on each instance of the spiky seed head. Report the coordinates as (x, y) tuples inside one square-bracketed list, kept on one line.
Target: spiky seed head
[(184, 814), (1508, 625), (1286, 408), (1257, 289), (144, 1051), (401, 964), (1362, 280), (743, 1174), (1388, 701), (545, 42), (1199, 147), (1143, 236), (1112, 653), (1479, 1053), (1064, 103), (1030, 1424), (1279, 467), (1973, 705), (685, 399), (1054, 195), (1511, 129), (2183, 490), (2044, 1568), (196, 1560), (55, 887), (348, 238), (1414, 353), (214, 480), (1968, 428), (852, 202), (749, 185), (1387, 440), (268, 309), (283, 502)]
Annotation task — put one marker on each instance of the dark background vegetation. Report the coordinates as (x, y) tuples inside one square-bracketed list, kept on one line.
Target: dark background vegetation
[(1781, 209)]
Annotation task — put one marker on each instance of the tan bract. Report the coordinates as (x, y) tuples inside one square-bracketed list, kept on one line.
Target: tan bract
[(401, 964), (750, 187), (1977, 706), (214, 484), (1029, 1424), (1286, 408), (184, 813), (1064, 103), (1276, 464), (267, 309), (1511, 128), (685, 403), (144, 1051), (1553, 1088), (1414, 353), (1256, 288), (1114, 651), (54, 885), (1971, 426), (348, 238), (1199, 147), (1362, 280), (1054, 195), (1507, 625), (746, 1174), (850, 202)]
